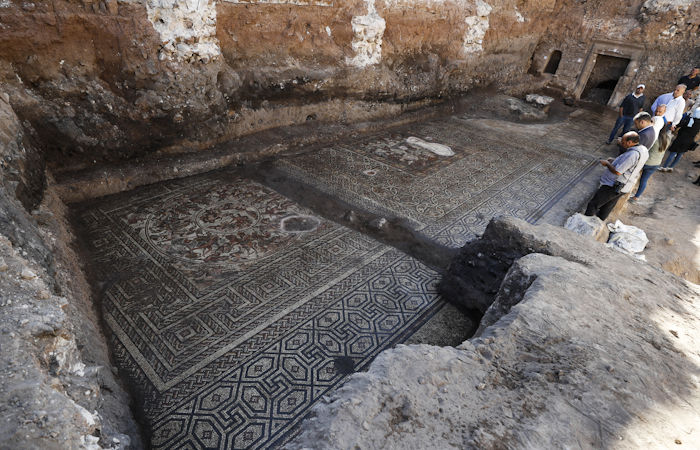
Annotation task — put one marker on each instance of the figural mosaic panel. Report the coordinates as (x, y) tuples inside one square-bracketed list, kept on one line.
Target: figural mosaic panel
[(232, 310)]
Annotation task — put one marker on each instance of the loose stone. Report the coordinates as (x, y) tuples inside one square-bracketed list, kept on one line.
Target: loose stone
[(27, 274)]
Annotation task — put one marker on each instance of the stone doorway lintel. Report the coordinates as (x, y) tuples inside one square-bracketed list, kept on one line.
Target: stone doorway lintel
[(633, 52)]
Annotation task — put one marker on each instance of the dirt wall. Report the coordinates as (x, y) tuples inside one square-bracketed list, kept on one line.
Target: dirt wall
[(110, 80)]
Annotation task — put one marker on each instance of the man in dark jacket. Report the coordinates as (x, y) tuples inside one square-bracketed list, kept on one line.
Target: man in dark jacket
[(630, 106), (692, 80), (643, 123)]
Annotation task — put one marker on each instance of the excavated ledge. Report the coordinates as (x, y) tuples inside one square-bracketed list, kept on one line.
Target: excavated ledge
[(588, 349)]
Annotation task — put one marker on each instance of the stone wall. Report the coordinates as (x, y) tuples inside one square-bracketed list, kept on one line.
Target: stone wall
[(660, 36), (107, 80)]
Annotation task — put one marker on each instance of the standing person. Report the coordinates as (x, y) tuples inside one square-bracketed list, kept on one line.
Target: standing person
[(692, 80), (687, 97), (656, 152), (647, 135), (674, 105), (686, 140), (619, 177), (664, 135), (630, 106)]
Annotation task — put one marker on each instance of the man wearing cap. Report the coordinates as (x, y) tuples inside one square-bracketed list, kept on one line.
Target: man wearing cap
[(630, 106)]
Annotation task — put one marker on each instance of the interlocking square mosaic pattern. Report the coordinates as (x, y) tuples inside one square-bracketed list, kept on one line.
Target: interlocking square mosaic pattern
[(449, 198), (229, 327)]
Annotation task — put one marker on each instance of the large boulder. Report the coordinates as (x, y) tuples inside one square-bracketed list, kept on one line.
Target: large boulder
[(590, 349), (475, 275)]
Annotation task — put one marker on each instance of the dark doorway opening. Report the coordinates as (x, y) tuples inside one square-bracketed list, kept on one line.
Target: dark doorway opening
[(604, 77), (553, 63)]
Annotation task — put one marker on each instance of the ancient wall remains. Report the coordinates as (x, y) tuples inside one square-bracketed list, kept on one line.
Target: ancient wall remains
[(660, 38)]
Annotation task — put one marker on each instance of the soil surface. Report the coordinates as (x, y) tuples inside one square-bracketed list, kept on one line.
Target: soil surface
[(669, 213)]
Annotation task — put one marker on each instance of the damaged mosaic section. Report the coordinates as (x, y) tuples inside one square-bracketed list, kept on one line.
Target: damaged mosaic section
[(449, 198)]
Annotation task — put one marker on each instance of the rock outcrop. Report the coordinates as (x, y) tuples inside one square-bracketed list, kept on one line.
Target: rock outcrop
[(57, 388), (588, 226), (590, 348)]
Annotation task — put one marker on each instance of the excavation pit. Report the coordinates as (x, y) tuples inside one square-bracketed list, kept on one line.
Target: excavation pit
[(246, 293)]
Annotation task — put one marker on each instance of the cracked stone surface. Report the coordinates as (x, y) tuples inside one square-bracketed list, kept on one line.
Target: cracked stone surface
[(568, 357)]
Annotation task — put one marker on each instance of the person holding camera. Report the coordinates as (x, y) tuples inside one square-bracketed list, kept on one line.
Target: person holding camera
[(620, 176)]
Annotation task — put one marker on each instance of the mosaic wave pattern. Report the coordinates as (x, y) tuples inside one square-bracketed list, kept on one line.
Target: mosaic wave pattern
[(230, 328), (448, 198)]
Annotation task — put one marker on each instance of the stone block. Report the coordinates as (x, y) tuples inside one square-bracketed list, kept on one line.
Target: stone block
[(559, 352), (588, 226), (539, 100)]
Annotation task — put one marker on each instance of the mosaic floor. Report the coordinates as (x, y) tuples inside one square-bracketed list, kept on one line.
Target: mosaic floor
[(230, 326), (232, 309), (450, 199)]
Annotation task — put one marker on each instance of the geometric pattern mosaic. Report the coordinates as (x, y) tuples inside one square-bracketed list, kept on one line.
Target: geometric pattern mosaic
[(230, 325), (230, 328), (450, 199)]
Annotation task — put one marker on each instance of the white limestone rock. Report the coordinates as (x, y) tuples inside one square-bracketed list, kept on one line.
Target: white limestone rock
[(525, 111), (587, 226), (477, 25), (662, 6), (187, 29), (368, 31), (574, 345), (539, 100), (27, 274)]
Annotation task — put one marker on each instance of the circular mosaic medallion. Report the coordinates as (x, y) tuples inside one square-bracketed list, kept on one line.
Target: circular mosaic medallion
[(222, 224)]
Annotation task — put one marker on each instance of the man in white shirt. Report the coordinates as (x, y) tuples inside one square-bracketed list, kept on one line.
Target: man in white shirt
[(675, 104)]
